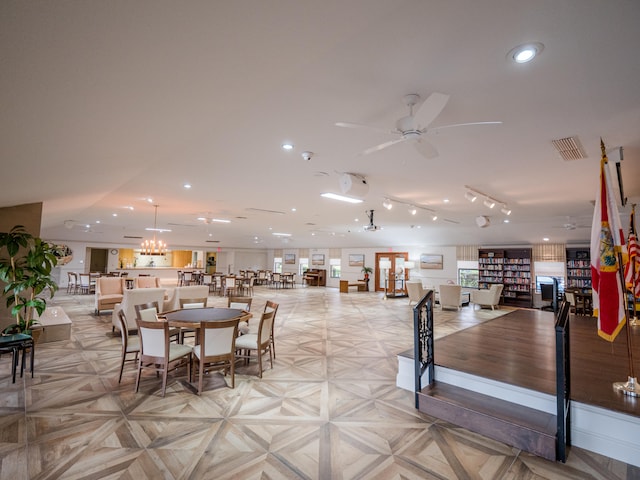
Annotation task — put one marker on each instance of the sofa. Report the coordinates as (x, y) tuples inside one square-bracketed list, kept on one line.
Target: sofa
[(415, 291), (450, 296), (109, 292), (487, 298), (190, 291), (130, 299)]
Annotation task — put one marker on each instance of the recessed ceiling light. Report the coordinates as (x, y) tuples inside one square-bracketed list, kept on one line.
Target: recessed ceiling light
[(335, 196), (150, 200), (446, 200), (545, 239), (293, 209), (97, 221), (525, 53), (287, 146), (114, 214), (187, 186)]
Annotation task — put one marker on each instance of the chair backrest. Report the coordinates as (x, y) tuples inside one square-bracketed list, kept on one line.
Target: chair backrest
[(264, 329), (193, 302), (450, 295), (571, 298), (124, 330), (415, 290), (546, 291), (147, 282), (496, 289), (110, 285), (218, 338), (71, 276), (243, 303), (85, 279), (262, 274), (147, 311), (271, 307), (154, 338), (276, 277)]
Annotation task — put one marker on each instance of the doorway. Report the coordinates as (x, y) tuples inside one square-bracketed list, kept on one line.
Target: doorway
[(98, 260), (392, 279)]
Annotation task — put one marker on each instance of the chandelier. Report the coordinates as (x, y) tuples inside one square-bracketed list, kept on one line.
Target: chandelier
[(154, 247)]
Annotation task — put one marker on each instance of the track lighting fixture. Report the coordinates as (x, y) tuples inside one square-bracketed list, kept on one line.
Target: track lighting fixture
[(387, 204), (472, 197), (489, 202)]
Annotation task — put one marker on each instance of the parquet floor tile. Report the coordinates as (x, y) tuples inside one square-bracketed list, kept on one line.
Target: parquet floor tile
[(328, 409)]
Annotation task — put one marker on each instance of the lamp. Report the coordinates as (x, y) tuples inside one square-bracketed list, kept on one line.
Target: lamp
[(385, 265), (154, 247), (387, 204), (408, 265)]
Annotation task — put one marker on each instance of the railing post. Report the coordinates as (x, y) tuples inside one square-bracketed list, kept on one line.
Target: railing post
[(423, 355), (563, 383)]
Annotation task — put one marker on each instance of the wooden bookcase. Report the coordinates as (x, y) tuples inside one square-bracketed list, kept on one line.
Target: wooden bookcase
[(578, 268), (512, 268)]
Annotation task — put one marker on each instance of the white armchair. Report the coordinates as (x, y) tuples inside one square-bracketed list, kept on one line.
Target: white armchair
[(190, 291), (415, 290), (487, 298), (450, 296), (130, 299)]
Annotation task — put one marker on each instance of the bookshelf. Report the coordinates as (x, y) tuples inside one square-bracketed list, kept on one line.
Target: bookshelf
[(512, 268), (578, 268)]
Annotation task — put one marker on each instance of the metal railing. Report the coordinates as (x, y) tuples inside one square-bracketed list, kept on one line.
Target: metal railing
[(423, 356), (563, 382)]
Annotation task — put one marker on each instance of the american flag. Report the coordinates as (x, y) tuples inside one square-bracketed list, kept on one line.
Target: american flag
[(632, 269)]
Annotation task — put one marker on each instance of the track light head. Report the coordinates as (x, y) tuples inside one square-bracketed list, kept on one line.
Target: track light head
[(489, 203), (387, 204), (472, 197), (506, 210), (412, 210)]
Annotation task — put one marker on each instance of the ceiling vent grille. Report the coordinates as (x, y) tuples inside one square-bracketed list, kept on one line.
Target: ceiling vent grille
[(569, 148)]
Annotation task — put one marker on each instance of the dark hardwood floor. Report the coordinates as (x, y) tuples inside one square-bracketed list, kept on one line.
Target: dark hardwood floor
[(519, 349)]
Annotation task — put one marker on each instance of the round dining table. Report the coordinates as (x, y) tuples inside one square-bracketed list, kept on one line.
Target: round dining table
[(193, 317)]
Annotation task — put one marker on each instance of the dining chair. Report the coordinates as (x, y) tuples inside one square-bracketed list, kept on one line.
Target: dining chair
[(158, 354), (276, 280), (247, 285), (186, 278), (84, 283), (191, 303), (230, 285), (243, 303), (259, 342), (216, 348), (72, 282), (149, 313), (130, 344), (272, 307)]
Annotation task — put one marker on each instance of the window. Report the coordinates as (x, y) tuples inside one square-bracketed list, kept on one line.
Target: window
[(468, 277), (303, 266), (468, 273), (547, 271), (277, 265), (334, 265)]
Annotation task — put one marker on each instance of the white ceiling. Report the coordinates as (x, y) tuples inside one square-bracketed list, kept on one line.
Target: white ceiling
[(104, 104)]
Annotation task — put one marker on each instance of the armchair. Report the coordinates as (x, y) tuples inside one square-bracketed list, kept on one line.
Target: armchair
[(147, 282), (109, 292), (130, 299), (190, 291), (450, 296), (415, 290), (488, 298)]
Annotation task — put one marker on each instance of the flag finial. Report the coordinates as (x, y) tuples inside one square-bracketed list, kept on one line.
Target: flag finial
[(603, 150)]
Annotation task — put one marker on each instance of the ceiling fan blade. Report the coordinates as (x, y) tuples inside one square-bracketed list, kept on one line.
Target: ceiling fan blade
[(358, 125), (435, 129), (430, 109), (425, 148), (382, 146)]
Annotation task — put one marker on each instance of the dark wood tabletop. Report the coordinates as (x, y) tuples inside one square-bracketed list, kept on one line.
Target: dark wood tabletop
[(192, 317)]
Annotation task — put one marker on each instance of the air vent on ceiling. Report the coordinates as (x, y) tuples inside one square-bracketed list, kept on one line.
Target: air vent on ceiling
[(569, 148), (265, 211), (212, 241), (131, 236)]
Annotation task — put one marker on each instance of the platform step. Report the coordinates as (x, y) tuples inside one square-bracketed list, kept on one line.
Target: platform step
[(522, 427)]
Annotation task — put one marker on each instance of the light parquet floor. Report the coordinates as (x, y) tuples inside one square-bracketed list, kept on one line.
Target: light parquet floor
[(329, 408)]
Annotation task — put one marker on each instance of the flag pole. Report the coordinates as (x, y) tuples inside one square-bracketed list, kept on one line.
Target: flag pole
[(634, 279), (630, 387)]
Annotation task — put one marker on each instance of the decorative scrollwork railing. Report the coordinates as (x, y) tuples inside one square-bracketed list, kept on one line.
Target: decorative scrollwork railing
[(423, 341)]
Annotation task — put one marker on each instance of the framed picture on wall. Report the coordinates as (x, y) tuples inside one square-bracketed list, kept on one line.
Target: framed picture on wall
[(289, 258), (317, 259), (430, 261), (356, 260)]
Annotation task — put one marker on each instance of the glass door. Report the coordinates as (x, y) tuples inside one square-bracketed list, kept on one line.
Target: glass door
[(391, 274)]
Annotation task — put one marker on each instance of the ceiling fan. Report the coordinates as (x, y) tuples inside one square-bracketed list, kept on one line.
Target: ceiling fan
[(571, 224), (413, 126)]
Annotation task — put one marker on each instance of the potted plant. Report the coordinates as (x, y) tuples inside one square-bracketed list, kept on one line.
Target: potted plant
[(26, 263), (367, 271)]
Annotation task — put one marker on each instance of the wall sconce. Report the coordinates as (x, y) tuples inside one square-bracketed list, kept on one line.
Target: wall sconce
[(387, 204)]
